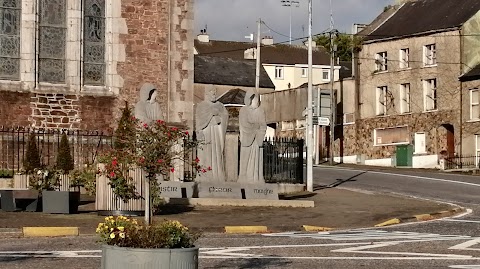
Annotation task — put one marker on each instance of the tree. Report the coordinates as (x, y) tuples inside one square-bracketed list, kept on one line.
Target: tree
[(125, 132), (346, 44), (31, 160), (64, 158)]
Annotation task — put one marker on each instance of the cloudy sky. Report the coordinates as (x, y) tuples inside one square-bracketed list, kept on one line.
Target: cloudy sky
[(234, 19)]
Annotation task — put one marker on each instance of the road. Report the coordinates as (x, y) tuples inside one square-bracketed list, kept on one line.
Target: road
[(445, 243)]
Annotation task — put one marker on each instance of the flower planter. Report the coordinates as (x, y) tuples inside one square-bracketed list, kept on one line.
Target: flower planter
[(135, 258), (19, 200), (60, 202)]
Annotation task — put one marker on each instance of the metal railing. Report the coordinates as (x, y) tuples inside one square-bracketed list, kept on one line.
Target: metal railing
[(85, 146), (283, 160), (461, 162)]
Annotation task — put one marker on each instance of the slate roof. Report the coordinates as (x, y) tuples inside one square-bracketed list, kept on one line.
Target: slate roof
[(270, 54), (233, 97), (226, 71), (473, 74), (425, 16)]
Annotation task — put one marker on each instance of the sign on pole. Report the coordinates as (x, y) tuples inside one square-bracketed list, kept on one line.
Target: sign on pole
[(323, 121)]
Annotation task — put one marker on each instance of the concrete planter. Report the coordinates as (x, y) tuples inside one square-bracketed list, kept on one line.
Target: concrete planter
[(137, 258), (60, 202), (19, 200)]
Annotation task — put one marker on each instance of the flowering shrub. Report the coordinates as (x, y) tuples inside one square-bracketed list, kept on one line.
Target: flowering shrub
[(85, 177), (127, 232), (44, 179)]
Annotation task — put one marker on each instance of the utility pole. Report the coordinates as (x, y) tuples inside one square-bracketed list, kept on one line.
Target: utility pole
[(333, 100), (257, 70), (309, 130)]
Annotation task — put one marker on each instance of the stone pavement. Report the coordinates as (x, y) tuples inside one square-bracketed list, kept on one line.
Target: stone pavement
[(334, 208)]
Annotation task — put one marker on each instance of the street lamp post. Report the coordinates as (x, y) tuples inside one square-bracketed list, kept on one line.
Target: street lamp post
[(290, 3)]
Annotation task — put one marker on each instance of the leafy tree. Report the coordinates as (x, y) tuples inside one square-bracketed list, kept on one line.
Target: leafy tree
[(31, 160), (345, 44), (64, 157), (125, 132)]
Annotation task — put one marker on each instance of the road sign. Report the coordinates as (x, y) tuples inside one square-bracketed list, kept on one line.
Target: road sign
[(323, 121)]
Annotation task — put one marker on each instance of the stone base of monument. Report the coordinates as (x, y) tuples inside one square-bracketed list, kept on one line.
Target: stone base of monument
[(237, 190), (177, 189), (239, 202)]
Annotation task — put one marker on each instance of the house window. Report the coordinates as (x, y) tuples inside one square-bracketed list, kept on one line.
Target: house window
[(420, 146), (477, 150), (10, 39), (474, 104), (348, 118), (279, 72), (429, 55), (404, 58), (52, 35), (381, 100), (326, 75), (405, 98), (304, 72), (94, 42), (391, 136), (430, 94), (381, 62)]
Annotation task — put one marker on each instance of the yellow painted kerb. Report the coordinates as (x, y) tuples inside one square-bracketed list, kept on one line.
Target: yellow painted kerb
[(50, 231), (309, 228), (245, 229), (388, 222), (424, 217)]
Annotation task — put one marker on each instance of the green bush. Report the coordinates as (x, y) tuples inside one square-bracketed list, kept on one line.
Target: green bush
[(6, 173), (31, 161), (64, 158)]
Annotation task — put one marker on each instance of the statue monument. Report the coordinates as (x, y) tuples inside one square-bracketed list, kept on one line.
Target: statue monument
[(253, 127), (211, 118), (147, 109)]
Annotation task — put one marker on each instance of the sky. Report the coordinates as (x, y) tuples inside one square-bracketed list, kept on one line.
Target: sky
[(235, 19)]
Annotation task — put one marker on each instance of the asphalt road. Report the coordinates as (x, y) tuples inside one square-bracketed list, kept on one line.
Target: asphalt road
[(445, 243)]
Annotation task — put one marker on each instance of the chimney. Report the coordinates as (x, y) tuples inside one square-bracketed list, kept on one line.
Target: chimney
[(314, 44), (203, 36), (268, 40), (250, 54)]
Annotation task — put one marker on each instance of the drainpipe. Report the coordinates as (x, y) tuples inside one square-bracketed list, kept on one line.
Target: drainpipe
[(460, 151)]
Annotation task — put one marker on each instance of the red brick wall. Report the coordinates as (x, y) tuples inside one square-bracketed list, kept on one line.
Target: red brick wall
[(97, 113), (146, 48), (14, 109)]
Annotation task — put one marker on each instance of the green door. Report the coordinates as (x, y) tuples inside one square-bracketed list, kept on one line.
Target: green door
[(404, 155)]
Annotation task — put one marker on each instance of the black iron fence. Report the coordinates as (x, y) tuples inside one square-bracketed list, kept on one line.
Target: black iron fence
[(283, 160), (461, 162), (85, 146)]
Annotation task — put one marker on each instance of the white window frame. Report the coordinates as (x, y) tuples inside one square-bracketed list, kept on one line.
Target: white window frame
[(430, 95), (404, 58), (381, 62), (327, 72), (304, 72), (405, 98), (474, 104), (279, 70), (347, 116), (430, 55), (381, 100)]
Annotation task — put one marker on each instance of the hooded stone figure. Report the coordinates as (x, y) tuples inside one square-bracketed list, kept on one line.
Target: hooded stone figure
[(253, 127), (147, 109), (211, 120)]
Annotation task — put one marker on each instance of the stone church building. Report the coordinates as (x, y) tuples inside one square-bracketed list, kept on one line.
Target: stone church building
[(72, 64)]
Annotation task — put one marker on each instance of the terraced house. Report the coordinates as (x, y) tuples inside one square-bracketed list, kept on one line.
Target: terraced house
[(71, 64), (412, 108)]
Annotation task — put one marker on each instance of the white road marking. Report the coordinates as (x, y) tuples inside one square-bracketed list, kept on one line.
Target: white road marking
[(461, 220), (403, 175), (465, 266), (467, 245)]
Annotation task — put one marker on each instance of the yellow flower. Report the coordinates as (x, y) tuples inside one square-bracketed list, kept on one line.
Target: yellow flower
[(111, 229), (121, 228), (122, 235), (97, 230), (112, 235)]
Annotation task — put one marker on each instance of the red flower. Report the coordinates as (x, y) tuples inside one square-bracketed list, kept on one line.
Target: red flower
[(141, 160), (186, 132), (174, 128), (145, 125), (204, 171), (114, 162), (160, 122), (160, 161), (112, 174), (197, 160), (209, 168), (133, 118), (172, 169)]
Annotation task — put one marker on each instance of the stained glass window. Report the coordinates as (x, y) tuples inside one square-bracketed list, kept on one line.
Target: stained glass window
[(94, 42), (52, 35), (10, 12)]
